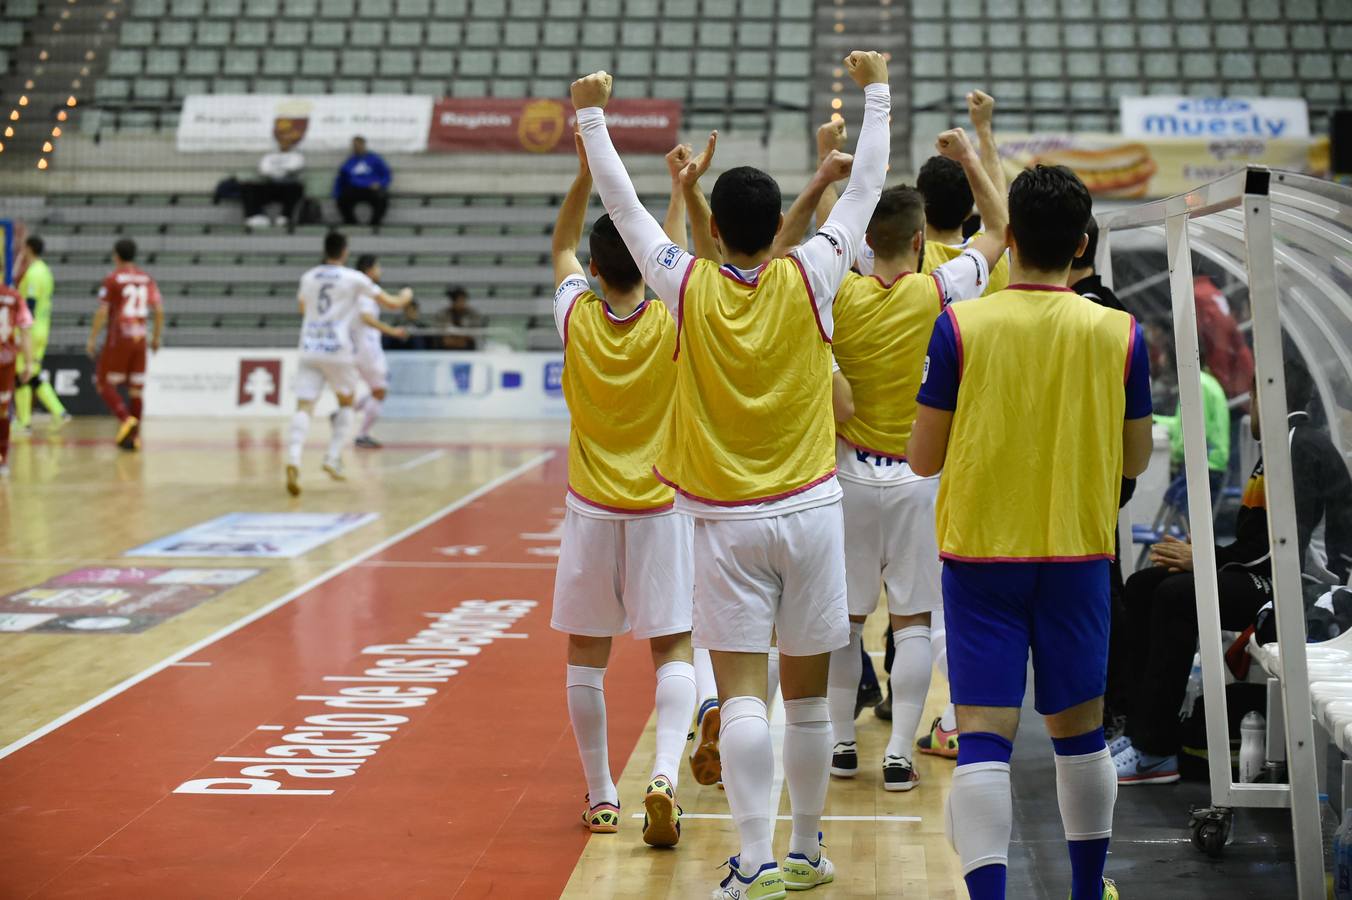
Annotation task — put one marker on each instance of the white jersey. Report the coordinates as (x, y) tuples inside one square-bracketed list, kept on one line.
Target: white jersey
[(331, 297), (366, 337)]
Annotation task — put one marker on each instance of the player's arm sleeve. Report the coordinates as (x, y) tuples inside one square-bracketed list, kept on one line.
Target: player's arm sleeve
[(25, 318), (962, 278), (103, 294), (943, 369), (664, 265), (1139, 403), (568, 291), (828, 254)]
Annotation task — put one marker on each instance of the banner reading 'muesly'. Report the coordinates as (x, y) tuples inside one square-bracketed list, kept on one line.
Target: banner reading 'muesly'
[(501, 124)]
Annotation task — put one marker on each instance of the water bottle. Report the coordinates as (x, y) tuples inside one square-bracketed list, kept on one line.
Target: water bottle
[(1328, 827), (1342, 858), (1252, 746), (1194, 689)]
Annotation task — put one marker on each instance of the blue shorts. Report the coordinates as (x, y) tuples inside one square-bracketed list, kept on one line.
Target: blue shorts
[(995, 613)]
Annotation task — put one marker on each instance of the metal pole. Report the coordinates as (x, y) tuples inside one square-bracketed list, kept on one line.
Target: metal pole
[(1287, 598), (1199, 506)]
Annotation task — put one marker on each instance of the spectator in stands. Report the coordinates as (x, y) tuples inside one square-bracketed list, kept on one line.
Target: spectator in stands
[(280, 183), (1161, 601), (411, 321), (363, 178), (459, 314)]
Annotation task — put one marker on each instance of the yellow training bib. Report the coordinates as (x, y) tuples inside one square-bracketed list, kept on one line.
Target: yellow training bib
[(619, 382), (1034, 463), (753, 395), (881, 334)]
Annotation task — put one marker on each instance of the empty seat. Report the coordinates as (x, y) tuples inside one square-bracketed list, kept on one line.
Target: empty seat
[(309, 86), (301, 9), (188, 9), (290, 34), (319, 62), (598, 34), (375, 9), (239, 62), (162, 62), (389, 86), (209, 34), (406, 34), (328, 34), (106, 89), (396, 63), (187, 87), (366, 33), (561, 34), (338, 9), (358, 62), (560, 63), (521, 34), (229, 85), (124, 62), (483, 34), (134, 34), (251, 34), (271, 86), (638, 34), (174, 34), (151, 89), (715, 34), (413, 9), (436, 62), (449, 9), (476, 62), (444, 34), (280, 62), (262, 9)]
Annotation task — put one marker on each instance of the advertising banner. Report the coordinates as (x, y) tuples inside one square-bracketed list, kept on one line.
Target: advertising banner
[(1113, 167), (235, 122), (256, 535), (507, 125), (72, 377), (113, 599), (1265, 118)]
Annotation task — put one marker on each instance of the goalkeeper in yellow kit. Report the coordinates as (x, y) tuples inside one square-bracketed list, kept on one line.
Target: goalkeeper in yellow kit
[(36, 288)]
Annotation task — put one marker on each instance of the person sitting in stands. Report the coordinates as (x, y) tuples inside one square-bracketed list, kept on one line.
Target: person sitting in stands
[(363, 178), (280, 184), (459, 314)]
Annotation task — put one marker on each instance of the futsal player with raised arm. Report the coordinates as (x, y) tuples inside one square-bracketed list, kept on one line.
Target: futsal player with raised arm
[(883, 325), (625, 559), (751, 457), (329, 297), (371, 363), (1034, 403), (948, 193)]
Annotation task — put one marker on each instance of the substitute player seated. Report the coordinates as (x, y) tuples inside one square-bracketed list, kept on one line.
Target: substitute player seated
[(625, 559)]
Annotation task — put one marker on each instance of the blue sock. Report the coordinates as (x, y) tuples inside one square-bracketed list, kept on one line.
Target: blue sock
[(987, 882), (1087, 858)]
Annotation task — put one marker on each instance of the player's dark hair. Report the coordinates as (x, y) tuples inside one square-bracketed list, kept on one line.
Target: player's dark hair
[(613, 262), (746, 206), (900, 213), (455, 292), (1048, 209), (335, 242), (125, 249), (36, 244), (1086, 259), (948, 196), (365, 262)]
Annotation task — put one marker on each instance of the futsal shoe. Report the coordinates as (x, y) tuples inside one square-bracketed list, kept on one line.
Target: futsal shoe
[(899, 774), (126, 433), (603, 818), (884, 710), (705, 763), (1119, 744), (766, 883), (59, 422), (939, 742), (845, 760), (366, 442), (661, 817), (1135, 767), (335, 469), (293, 481), (1109, 889), (803, 874)]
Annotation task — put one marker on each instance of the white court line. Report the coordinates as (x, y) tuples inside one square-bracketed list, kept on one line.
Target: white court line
[(398, 564), (276, 604), (190, 664), (416, 461), (727, 817)]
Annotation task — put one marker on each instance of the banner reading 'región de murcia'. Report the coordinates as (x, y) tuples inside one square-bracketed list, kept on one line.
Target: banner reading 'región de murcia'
[(506, 125), (236, 122)]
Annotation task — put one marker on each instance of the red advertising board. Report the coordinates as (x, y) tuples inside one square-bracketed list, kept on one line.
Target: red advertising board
[(506, 125)]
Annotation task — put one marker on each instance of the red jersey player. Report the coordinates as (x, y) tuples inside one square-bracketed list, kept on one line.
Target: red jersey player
[(127, 299), (15, 322)]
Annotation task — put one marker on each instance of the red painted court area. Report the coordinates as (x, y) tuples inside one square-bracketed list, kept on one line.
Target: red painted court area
[(462, 785)]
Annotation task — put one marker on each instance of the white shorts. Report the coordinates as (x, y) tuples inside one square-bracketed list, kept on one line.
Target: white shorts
[(615, 575), (313, 374), (889, 539), (784, 574), (373, 368)]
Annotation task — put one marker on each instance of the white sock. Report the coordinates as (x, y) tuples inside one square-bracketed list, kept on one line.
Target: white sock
[(1086, 790), (370, 411), (705, 686), (939, 652), (842, 688), (807, 767), (587, 710), (748, 771), (910, 685), (675, 701), (772, 673), (295, 436), (980, 815), (342, 426), (949, 720)]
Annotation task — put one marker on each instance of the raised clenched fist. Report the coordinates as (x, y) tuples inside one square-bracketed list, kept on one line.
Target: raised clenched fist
[(591, 90), (836, 165), (954, 145), (866, 67), (678, 158), (980, 108), (830, 136)]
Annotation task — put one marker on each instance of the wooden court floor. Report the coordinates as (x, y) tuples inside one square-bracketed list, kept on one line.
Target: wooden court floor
[(476, 795)]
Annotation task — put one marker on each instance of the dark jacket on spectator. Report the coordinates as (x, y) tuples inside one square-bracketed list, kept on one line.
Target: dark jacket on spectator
[(365, 171)]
